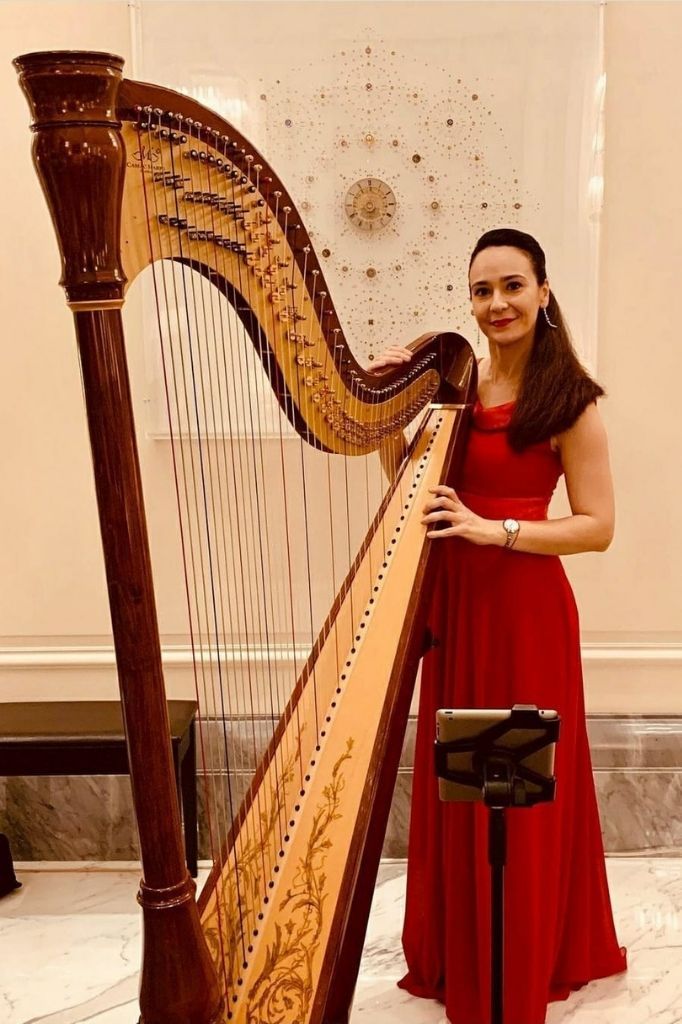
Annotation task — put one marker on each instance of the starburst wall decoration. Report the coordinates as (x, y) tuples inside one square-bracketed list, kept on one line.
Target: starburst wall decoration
[(395, 177)]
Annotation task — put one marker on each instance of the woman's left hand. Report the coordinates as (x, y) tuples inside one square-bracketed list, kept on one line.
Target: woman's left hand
[(445, 507)]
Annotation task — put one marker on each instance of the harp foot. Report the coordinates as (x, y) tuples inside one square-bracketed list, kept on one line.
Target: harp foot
[(179, 984)]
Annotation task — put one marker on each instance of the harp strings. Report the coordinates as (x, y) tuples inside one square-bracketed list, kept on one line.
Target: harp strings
[(172, 355), (272, 580), (253, 563), (283, 296), (226, 525), (279, 303), (249, 617), (255, 430), (226, 761), (245, 513), (198, 498)]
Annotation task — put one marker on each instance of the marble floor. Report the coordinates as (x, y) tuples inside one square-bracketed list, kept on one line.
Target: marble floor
[(70, 946)]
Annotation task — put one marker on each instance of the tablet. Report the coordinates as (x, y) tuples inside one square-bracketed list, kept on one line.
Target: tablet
[(523, 734)]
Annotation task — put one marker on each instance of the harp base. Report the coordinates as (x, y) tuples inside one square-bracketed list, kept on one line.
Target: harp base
[(179, 984)]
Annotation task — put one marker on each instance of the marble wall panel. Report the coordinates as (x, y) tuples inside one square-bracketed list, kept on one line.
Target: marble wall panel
[(397, 830), (238, 744), (623, 742), (638, 776), (69, 817), (635, 742), (218, 802), (640, 809)]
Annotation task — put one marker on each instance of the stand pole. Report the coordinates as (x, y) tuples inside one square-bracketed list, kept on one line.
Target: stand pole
[(497, 767), (497, 856)]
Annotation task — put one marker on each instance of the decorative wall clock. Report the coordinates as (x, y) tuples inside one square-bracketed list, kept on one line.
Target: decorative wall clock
[(370, 204)]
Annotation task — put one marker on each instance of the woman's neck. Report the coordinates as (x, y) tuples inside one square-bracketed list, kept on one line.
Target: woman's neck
[(506, 364)]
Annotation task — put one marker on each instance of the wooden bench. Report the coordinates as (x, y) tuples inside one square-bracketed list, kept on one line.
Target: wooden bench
[(86, 738)]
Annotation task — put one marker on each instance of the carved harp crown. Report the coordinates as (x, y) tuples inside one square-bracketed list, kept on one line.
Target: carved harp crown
[(137, 176)]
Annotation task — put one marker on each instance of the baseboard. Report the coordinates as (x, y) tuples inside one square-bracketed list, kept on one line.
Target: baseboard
[(620, 678)]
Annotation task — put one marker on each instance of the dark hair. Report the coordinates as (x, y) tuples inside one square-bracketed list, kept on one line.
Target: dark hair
[(555, 388)]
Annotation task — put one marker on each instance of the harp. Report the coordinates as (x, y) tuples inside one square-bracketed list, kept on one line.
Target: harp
[(136, 177)]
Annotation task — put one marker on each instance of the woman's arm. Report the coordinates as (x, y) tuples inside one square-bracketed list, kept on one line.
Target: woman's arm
[(585, 458)]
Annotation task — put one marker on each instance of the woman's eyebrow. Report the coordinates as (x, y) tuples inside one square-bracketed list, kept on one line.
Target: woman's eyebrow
[(507, 277)]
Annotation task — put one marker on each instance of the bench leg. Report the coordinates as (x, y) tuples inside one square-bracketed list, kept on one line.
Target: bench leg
[(8, 880), (188, 793)]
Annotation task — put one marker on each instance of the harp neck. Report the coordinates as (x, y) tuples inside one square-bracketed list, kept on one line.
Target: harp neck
[(130, 181)]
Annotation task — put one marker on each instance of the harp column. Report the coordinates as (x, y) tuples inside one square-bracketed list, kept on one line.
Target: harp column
[(80, 157)]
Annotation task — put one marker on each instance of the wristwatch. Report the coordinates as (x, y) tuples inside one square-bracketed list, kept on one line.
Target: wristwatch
[(512, 528)]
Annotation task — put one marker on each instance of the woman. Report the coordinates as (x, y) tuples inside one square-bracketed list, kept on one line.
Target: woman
[(505, 617)]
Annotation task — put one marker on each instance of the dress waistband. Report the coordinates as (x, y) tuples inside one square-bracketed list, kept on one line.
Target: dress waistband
[(494, 507)]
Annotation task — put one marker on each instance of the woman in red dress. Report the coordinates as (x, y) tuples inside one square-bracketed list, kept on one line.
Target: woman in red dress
[(506, 621)]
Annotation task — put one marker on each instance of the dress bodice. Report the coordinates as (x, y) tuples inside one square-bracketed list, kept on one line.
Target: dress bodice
[(496, 480)]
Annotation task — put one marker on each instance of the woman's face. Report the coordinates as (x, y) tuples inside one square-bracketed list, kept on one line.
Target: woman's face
[(505, 296)]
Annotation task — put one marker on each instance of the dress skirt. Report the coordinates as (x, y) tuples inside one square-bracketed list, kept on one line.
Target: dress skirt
[(507, 630)]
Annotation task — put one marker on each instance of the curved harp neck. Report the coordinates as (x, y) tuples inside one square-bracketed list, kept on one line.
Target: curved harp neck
[(205, 197), (167, 179)]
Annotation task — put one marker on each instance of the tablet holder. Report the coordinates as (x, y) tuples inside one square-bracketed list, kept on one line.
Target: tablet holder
[(504, 781)]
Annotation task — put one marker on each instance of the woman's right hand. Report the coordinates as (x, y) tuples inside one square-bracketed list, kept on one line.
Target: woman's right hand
[(394, 355)]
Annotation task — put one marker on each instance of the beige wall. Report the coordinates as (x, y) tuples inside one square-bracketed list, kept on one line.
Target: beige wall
[(50, 567), (53, 611), (631, 597)]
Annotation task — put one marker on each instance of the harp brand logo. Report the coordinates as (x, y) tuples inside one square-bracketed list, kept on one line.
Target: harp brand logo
[(145, 154)]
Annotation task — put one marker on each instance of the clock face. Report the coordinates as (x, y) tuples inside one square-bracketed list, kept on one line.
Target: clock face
[(370, 204)]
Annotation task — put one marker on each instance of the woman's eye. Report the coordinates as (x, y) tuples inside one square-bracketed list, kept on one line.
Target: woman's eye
[(514, 284)]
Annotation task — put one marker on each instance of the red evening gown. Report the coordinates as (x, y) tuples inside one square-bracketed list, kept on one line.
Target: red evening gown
[(508, 631)]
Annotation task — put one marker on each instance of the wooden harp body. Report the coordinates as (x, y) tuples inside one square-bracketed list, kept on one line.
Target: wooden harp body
[(138, 176)]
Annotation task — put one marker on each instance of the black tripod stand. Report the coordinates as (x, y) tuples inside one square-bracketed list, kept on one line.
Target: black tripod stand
[(501, 761)]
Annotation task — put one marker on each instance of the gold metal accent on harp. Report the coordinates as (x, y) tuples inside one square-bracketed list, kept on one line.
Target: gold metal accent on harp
[(89, 307)]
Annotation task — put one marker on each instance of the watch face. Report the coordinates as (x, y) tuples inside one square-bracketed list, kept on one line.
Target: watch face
[(511, 525)]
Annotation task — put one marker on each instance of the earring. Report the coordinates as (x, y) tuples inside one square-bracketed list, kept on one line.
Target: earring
[(549, 322)]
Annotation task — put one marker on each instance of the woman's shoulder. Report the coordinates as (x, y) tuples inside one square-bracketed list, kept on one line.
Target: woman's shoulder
[(587, 426)]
